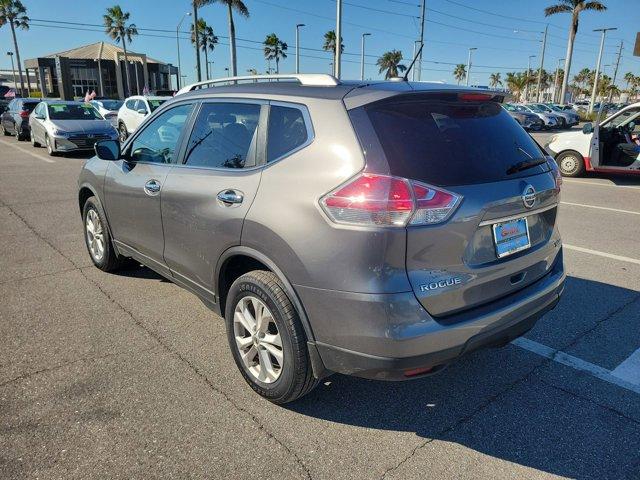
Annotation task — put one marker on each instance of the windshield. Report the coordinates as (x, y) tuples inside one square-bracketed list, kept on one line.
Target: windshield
[(509, 107), (623, 118), (73, 111), (445, 142), (154, 104), (111, 104), (535, 108)]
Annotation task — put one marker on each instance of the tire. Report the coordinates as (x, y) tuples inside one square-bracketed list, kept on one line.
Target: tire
[(4, 131), (108, 260), (257, 290), (570, 163), (18, 135), (33, 140), (122, 132), (47, 143)]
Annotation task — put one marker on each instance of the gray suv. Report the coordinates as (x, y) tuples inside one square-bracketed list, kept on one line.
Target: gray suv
[(377, 229)]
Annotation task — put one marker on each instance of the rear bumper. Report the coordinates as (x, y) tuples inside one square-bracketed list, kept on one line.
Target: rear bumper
[(387, 336)]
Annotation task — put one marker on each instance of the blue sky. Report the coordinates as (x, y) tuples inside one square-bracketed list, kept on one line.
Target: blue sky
[(504, 38)]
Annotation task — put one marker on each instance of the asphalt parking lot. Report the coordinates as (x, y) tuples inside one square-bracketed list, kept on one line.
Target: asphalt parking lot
[(129, 376)]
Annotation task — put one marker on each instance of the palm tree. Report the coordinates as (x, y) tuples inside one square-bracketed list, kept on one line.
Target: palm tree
[(330, 44), (389, 63), (274, 49), (115, 25), (574, 7), (629, 77), (208, 40), (460, 72), (14, 13), (517, 82), (241, 8), (495, 80)]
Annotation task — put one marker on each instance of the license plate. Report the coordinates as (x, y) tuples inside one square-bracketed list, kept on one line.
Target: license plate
[(511, 237)]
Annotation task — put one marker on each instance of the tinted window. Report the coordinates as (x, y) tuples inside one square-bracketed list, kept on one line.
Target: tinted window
[(158, 141), (29, 106), (111, 104), (73, 111), (287, 131), (140, 105), (224, 136), (153, 104), (449, 142), (131, 104)]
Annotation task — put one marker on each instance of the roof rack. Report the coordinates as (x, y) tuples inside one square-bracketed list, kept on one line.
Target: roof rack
[(306, 79)]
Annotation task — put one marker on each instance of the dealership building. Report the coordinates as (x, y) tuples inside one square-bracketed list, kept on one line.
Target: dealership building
[(98, 67)]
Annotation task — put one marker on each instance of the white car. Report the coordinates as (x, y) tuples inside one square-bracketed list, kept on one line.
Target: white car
[(134, 111), (550, 120), (108, 109), (611, 146)]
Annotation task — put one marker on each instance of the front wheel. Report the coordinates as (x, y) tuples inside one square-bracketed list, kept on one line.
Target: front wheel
[(33, 140), (97, 239), (571, 164), (267, 339), (49, 145), (4, 131), (122, 133)]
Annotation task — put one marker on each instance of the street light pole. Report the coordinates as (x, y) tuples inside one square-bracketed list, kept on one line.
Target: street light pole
[(544, 47), (417, 72), (336, 67), (469, 65), (178, 45), (615, 71), (298, 46), (595, 80), (362, 57), (13, 70), (526, 88), (555, 82)]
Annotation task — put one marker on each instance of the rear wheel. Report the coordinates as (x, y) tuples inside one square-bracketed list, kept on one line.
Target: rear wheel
[(571, 164), (267, 339), (4, 131), (122, 132)]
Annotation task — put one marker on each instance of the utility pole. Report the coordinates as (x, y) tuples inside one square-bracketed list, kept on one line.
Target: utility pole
[(298, 46), (13, 71), (417, 72), (526, 88), (362, 57), (336, 67), (469, 65), (615, 71), (544, 46), (555, 82), (178, 46), (595, 80), (197, 43), (415, 51)]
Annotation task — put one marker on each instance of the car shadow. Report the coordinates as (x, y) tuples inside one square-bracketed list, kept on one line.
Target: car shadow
[(134, 269), (494, 402)]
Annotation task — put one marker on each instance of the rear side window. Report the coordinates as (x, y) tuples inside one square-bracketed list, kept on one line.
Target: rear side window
[(224, 136), (445, 141), (287, 131), (131, 104)]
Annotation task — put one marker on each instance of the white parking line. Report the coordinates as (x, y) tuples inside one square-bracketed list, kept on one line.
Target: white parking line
[(618, 210), (629, 370), (28, 152), (601, 254), (597, 184), (575, 363)]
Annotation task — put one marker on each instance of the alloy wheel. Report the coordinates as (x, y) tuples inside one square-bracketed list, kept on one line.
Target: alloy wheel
[(258, 339), (95, 235), (569, 164)]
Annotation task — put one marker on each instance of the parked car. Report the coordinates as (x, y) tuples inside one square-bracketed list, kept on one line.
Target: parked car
[(66, 126), (608, 147), (15, 119), (108, 108), (571, 116), (528, 121), (374, 229), (134, 111), (550, 120), (565, 119)]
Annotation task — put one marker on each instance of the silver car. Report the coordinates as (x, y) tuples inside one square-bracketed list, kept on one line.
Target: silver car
[(67, 126), (569, 119), (550, 120), (378, 229)]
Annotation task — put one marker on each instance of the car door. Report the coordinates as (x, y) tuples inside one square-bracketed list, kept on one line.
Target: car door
[(133, 186), (206, 197), (36, 122)]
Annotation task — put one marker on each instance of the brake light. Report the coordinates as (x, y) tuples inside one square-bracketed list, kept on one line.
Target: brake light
[(372, 199), (24, 114), (475, 97)]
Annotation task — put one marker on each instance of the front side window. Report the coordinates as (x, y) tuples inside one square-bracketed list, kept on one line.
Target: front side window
[(158, 141), (287, 131), (140, 105), (224, 136)]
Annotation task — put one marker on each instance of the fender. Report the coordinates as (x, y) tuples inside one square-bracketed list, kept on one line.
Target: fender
[(319, 370), (104, 212)]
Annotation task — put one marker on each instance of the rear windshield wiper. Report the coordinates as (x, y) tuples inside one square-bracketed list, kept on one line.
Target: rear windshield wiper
[(525, 165)]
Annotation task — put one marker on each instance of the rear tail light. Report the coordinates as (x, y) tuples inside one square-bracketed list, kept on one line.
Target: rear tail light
[(24, 113), (556, 172), (371, 199)]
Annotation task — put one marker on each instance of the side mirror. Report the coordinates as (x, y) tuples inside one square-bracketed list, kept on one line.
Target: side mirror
[(107, 150), (587, 128), (142, 111), (39, 117)]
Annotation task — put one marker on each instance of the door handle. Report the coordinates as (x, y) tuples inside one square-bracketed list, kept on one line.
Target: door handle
[(152, 187), (230, 197)]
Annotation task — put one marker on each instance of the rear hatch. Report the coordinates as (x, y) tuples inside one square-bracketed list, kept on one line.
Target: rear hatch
[(501, 236)]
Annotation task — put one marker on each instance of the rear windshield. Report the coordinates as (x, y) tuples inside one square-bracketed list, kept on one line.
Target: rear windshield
[(451, 142)]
